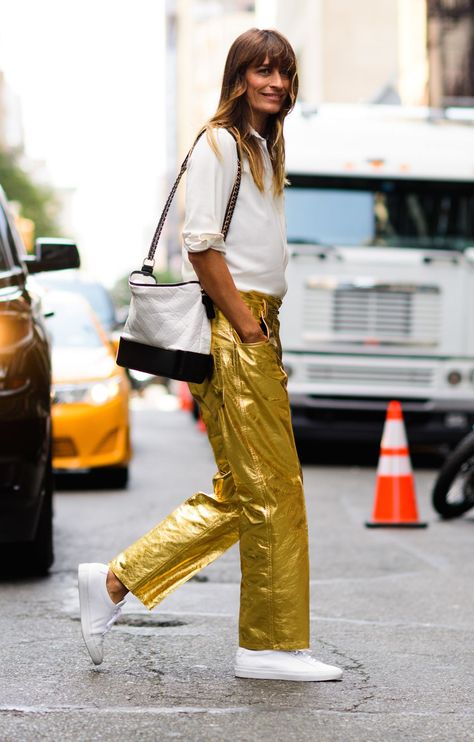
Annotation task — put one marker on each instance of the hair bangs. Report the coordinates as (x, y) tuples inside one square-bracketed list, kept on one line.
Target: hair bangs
[(278, 51)]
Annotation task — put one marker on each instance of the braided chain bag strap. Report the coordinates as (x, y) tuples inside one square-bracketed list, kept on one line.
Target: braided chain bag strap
[(168, 331), (149, 262)]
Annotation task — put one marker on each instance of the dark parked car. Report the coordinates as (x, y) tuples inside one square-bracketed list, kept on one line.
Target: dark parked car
[(26, 484)]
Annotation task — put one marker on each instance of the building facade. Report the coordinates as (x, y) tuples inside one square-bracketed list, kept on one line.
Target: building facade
[(451, 52)]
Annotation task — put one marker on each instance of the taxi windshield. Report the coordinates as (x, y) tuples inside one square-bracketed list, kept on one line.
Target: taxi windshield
[(362, 212)]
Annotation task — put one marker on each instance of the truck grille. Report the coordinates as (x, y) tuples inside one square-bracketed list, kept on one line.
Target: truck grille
[(382, 314), (365, 375)]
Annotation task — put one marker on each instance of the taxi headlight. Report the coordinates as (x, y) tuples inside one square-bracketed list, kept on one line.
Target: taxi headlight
[(104, 391), (69, 393), (96, 392)]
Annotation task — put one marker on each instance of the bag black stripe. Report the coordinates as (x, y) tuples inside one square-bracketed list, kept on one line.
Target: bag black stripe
[(183, 365)]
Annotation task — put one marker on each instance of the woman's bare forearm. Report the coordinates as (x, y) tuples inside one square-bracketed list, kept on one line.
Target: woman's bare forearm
[(217, 282)]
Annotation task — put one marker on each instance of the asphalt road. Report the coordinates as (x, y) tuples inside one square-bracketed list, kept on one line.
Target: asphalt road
[(394, 608)]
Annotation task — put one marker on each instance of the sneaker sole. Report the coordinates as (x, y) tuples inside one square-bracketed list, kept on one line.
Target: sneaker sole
[(299, 677), (96, 654)]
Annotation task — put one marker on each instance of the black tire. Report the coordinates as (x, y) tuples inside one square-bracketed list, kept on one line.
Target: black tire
[(453, 492), (114, 477), (41, 550), (34, 558)]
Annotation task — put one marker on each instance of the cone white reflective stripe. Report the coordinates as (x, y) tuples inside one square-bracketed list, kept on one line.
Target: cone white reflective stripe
[(394, 435), (393, 466)]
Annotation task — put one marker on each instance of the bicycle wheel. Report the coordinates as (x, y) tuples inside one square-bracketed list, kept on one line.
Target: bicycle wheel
[(453, 492)]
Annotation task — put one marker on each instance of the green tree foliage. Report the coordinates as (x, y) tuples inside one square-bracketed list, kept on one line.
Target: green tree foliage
[(38, 202)]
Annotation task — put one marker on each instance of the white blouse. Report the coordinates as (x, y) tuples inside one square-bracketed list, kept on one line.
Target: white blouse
[(255, 249)]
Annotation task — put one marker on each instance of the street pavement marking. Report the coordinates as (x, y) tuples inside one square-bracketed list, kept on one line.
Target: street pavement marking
[(127, 709)]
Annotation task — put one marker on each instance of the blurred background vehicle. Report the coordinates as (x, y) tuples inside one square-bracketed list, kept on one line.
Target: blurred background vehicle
[(91, 427), (26, 482), (381, 271), (93, 291)]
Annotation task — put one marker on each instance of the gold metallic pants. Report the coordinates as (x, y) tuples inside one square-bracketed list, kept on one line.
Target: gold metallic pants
[(258, 495)]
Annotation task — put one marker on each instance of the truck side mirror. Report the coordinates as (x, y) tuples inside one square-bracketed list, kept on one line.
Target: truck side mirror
[(53, 254)]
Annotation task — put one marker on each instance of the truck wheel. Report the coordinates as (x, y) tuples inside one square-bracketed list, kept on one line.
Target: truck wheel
[(453, 492)]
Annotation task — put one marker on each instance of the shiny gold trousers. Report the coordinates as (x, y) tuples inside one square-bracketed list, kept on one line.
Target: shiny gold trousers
[(258, 495)]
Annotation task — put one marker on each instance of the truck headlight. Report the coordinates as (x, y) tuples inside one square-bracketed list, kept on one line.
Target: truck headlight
[(454, 378)]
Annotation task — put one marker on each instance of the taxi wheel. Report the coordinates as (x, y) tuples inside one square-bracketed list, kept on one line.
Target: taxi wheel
[(115, 477)]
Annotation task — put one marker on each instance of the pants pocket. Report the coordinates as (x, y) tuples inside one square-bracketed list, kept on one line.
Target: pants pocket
[(264, 328), (260, 370)]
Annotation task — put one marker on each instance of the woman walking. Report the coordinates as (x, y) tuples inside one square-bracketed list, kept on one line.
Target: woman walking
[(258, 494)]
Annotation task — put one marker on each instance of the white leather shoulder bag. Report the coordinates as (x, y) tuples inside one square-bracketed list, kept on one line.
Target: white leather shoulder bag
[(168, 330)]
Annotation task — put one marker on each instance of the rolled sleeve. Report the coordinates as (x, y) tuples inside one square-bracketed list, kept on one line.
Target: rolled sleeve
[(209, 183)]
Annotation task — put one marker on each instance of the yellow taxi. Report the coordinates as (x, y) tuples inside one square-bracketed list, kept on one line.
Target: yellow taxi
[(91, 427)]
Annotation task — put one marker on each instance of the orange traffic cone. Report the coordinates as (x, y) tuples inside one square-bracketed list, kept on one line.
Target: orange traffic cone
[(395, 499), (185, 399)]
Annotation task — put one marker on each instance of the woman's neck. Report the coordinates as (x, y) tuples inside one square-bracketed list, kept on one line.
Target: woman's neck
[(259, 122)]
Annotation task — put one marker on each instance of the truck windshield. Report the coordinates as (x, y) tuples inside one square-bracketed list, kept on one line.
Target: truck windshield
[(360, 212)]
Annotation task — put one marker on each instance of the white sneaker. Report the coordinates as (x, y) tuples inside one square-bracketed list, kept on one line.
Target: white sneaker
[(270, 664), (98, 610)]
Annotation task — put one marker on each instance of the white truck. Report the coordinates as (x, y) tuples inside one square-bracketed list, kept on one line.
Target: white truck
[(380, 305)]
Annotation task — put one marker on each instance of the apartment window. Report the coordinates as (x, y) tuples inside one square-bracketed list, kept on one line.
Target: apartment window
[(451, 52)]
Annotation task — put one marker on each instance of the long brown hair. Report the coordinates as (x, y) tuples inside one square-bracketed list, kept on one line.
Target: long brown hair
[(233, 111)]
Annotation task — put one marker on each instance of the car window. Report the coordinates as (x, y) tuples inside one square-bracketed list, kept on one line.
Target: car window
[(72, 329)]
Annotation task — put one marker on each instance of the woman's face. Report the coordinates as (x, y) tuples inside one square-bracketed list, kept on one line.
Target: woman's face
[(267, 89)]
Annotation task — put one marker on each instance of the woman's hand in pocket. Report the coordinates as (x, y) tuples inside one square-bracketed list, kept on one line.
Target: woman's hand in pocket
[(254, 336)]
